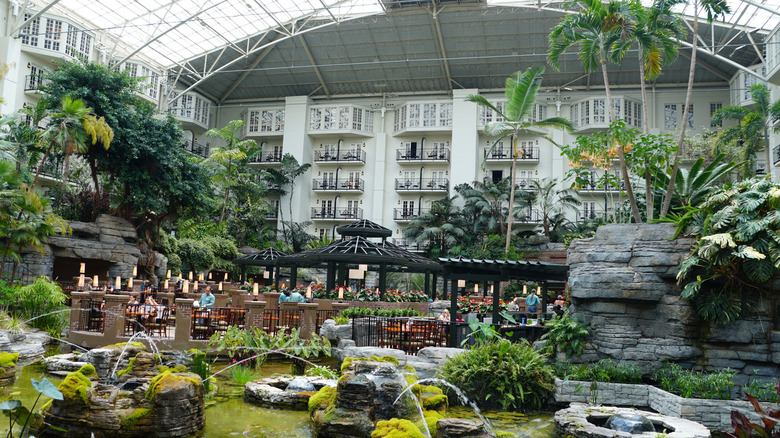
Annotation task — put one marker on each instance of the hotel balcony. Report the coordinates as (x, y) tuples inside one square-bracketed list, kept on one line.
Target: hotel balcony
[(272, 215), (337, 185), (776, 155), (593, 188), (505, 154), (529, 217), (342, 157), (33, 83), (422, 185), (409, 246), (336, 214), (591, 215), (407, 214), (526, 184), (440, 155), (761, 166), (196, 148), (270, 158)]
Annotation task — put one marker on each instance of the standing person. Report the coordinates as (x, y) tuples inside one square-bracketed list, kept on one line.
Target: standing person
[(296, 297), (285, 296), (206, 298), (532, 302)]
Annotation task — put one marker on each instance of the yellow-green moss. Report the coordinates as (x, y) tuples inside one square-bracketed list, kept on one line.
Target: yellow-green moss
[(167, 378), (435, 403), (120, 346), (324, 397), (88, 370), (8, 359), (74, 387), (431, 418), (47, 405), (346, 364), (129, 369), (176, 369), (396, 428), (504, 434), (410, 380), (389, 359), (410, 369), (130, 421)]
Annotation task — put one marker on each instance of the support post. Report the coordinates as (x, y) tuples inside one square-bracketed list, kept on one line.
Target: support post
[(114, 325), (308, 319), (427, 289), (293, 276), (453, 313), (254, 314), (496, 299), (382, 280), (330, 281)]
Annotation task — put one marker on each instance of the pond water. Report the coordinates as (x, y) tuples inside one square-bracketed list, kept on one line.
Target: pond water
[(228, 416)]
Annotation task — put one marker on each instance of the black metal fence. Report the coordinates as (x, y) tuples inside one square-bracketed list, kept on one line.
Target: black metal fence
[(408, 334)]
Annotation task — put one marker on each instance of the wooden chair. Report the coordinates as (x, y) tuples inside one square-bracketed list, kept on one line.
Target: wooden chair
[(131, 319), (201, 324), (159, 324)]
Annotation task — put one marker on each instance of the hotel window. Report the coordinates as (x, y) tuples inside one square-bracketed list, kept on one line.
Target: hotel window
[(598, 110), (279, 120), (445, 114), (71, 40), (30, 32), (85, 48), (315, 119), (429, 114), (328, 117), (690, 116), (637, 115), (715, 107), (670, 116), (357, 119), (51, 39), (414, 115), (344, 117), (618, 114)]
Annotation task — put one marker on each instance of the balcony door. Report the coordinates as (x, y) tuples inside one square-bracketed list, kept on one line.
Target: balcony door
[(408, 209), (326, 208), (352, 209), (328, 180)]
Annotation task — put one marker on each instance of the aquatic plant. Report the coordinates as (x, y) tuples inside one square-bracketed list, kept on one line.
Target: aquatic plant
[(17, 413), (695, 384), (242, 375)]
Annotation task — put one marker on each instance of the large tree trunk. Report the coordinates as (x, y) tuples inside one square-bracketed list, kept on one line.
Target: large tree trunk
[(511, 195), (681, 138), (93, 171), (646, 130), (621, 154)]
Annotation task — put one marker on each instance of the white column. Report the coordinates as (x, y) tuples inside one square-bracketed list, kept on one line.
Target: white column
[(377, 201), (12, 85), (297, 143), (466, 158)]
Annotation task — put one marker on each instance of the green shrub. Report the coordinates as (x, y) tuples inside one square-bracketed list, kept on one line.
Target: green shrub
[(695, 384), (174, 264), (356, 312), (242, 375), (222, 247), (763, 391), (38, 300), (201, 366), (502, 375), (605, 370), (567, 335), (196, 253)]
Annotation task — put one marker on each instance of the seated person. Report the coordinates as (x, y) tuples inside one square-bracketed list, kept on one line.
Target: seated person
[(445, 315), (459, 317), (532, 302), (558, 310), (150, 301), (559, 301), (285, 296), (296, 297), (206, 298)]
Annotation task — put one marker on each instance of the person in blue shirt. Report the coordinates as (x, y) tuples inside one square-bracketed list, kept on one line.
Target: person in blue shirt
[(206, 298), (532, 302), (285, 296), (296, 297)]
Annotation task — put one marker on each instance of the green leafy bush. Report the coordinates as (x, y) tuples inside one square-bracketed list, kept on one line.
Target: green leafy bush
[(763, 391), (355, 312), (196, 253), (222, 247), (201, 366), (567, 335), (242, 375), (605, 370), (501, 375), (44, 301), (695, 384)]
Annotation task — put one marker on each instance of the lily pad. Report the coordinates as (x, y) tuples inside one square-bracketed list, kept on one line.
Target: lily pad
[(10, 405), (47, 388)]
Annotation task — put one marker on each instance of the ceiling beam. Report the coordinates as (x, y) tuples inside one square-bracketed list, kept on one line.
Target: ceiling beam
[(723, 59), (434, 16), (707, 66), (314, 65), (35, 15), (249, 69)]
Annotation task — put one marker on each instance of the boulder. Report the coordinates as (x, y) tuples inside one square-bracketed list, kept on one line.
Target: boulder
[(585, 421), (285, 392), (456, 428)]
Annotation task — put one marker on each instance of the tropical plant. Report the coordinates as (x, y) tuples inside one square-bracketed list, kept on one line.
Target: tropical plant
[(713, 9), (738, 248), (550, 200), (605, 370), (285, 176), (602, 33), (241, 375), (438, 229), (693, 185), (520, 92), (767, 428), (524, 380), (488, 203), (253, 345), (43, 304), (751, 130), (230, 160), (716, 385), (201, 366), (19, 414), (565, 334)]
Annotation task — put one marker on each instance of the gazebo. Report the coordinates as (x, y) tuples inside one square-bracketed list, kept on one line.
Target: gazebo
[(354, 249), (268, 257)]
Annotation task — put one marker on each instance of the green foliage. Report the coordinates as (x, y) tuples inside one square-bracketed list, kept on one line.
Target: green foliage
[(524, 380), (37, 300), (257, 344), (566, 334), (326, 396), (196, 253), (695, 384), (320, 371), (242, 375), (19, 414), (341, 320), (605, 370), (200, 365), (357, 312), (738, 248), (770, 418), (762, 391), (396, 428)]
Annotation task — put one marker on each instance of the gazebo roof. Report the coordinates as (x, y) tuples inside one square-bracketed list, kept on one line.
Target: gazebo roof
[(364, 228), (266, 257), (360, 250), (473, 269)]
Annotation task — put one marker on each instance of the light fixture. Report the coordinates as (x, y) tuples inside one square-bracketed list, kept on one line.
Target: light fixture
[(315, 230), (461, 283), (355, 274), (29, 65), (399, 202), (361, 201), (24, 105)]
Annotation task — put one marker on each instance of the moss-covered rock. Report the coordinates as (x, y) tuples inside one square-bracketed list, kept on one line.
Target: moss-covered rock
[(324, 398), (75, 388), (8, 359), (396, 428), (431, 418), (504, 434), (130, 421), (88, 371), (168, 380)]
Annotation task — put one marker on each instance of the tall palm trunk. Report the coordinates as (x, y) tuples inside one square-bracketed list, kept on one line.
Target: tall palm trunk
[(511, 194), (681, 138), (646, 125), (621, 155), (93, 171)]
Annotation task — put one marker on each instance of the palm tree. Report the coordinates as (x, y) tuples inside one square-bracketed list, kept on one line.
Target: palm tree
[(439, 229), (693, 186), (230, 158), (751, 130), (488, 203), (655, 35), (602, 32), (291, 169), (520, 91), (275, 180), (551, 202), (714, 8)]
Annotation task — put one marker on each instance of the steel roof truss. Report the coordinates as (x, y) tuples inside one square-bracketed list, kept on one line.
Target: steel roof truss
[(314, 65)]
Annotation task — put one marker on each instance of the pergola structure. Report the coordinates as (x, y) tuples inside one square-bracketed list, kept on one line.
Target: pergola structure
[(268, 258), (355, 249), (496, 271)]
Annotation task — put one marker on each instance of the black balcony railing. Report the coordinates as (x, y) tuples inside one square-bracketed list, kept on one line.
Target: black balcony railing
[(409, 246), (526, 183), (407, 214), (272, 214), (600, 188), (267, 157), (340, 157), (587, 215), (422, 185), (761, 167), (529, 216), (196, 148), (338, 184), (33, 82), (436, 154), (528, 154), (320, 213)]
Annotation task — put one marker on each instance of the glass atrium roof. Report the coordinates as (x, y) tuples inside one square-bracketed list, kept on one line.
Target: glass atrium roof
[(172, 31)]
